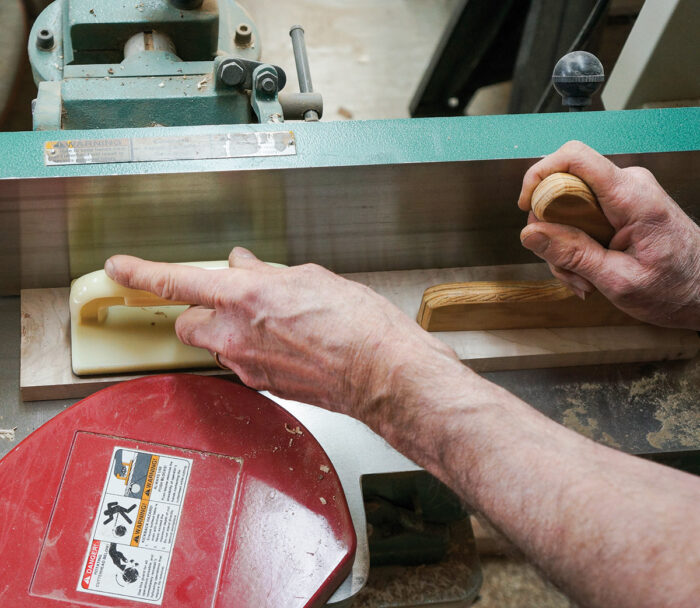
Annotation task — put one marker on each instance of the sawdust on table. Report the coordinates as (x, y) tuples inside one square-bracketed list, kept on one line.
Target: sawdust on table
[(677, 410), (673, 401), (510, 583), (8, 434), (578, 418), (401, 586)]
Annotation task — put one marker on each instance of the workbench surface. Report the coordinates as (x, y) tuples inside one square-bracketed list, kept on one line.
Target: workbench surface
[(646, 408)]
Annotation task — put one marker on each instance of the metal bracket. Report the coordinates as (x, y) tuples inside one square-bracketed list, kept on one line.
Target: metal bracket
[(263, 96), (238, 72)]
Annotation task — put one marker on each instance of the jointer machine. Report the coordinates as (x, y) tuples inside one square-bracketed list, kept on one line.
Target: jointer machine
[(160, 131)]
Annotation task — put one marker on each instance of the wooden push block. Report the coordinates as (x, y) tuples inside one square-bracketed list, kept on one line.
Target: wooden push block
[(560, 198), (485, 305)]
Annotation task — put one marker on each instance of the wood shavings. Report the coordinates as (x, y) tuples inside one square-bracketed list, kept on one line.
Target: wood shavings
[(324, 468), (294, 431), (323, 500), (345, 113), (8, 434)]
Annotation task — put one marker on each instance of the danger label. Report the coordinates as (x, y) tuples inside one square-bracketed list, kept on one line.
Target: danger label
[(136, 525)]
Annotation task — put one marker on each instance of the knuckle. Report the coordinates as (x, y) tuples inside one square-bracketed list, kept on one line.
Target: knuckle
[(183, 330), (572, 258), (640, 173), (574, 146), (311, 269), (248, 297), (164, 286), (220, 297), (624, 289), (252, 379)]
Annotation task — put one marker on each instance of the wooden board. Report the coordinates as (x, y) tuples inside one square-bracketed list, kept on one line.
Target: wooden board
[(480, 305), (45, 370), (45, 359)]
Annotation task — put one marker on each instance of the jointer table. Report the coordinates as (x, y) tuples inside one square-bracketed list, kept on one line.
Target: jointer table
[(356, 197)]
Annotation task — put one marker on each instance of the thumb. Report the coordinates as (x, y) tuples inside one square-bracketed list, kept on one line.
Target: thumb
[(568, 248), (240, 257)]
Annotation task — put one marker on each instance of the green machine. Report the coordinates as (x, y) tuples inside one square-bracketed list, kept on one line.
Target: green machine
[(101, 64)]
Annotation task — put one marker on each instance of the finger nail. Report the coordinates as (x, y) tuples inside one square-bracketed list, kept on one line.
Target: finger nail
[(580, 284), (242, 252), (536, 241), (579, 292), (109, 267)]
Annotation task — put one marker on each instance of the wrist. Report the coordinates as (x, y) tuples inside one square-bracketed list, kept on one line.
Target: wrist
[(428, 405)]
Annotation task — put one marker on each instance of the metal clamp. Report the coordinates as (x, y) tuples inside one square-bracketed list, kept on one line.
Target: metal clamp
[(263, 97), (238, 72)]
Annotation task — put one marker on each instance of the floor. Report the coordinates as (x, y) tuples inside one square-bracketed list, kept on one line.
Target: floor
[(366, 57)]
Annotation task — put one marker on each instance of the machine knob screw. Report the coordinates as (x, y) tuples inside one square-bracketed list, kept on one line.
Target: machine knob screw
[(232, 73), (577, 76), (244, 35), (268, 85), (44, 39)]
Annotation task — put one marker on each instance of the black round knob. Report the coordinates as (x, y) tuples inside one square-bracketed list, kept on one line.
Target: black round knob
[(576, 77)]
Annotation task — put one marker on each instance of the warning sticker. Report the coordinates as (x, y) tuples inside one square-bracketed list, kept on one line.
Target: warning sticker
[(134, 532)]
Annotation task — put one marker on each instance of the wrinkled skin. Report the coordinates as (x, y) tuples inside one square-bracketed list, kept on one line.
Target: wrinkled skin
[(302, 332), (651, 269)]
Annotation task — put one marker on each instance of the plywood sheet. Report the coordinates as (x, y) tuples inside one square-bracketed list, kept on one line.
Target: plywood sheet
[(45, 371), (45, 358)]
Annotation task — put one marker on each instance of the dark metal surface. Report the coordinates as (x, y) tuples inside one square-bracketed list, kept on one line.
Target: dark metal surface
[(642, 408), (550, 29), (478, 48), (488, 42)]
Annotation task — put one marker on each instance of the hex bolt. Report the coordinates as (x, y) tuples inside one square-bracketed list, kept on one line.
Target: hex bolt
[(232, 73), (244, 35), (44, 39)]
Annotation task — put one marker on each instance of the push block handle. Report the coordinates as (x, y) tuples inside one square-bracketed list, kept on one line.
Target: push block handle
[(563, 198), (93, 294)]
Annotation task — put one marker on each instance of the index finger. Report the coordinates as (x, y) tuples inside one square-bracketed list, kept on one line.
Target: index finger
[(578, 159), (176, 282)]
